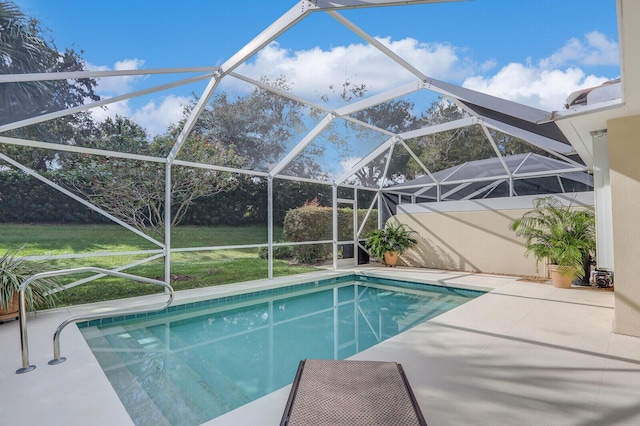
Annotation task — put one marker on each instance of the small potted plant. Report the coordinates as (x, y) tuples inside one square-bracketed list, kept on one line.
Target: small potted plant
[(13, 272), (388, 243), (559, 234)]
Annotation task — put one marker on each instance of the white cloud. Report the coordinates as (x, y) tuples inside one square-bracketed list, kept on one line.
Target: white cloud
[(157, 117), (114, 86), (119, 108), (488, 65), (348, 164), (154, 116), (534, 86), (313, 71), (545, 84), (595, 49), (548, 84)]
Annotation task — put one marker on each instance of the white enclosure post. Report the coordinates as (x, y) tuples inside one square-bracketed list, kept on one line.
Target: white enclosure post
[(335, 225), (167, 224), (356, 238), (602, 192), (270, 224)]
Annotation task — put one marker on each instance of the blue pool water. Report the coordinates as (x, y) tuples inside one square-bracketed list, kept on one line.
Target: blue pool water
[(194, 363)]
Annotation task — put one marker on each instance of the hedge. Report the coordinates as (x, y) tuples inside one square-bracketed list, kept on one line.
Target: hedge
[(24, 199)]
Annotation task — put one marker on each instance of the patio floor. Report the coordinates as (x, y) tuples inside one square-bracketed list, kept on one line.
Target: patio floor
[(524, 353)]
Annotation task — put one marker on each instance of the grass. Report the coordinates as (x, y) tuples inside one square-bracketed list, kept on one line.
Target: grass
[(188, 269)]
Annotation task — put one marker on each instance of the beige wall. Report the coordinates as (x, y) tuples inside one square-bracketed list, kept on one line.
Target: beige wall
[(624, 156), (473, 235)]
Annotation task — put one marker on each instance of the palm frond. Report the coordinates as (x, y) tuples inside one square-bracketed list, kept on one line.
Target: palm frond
[(557, 233)]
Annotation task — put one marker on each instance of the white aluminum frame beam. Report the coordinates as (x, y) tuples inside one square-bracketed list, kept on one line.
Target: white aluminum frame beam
[(280, 92), (524, 160), (273, 31), (378, 45), (219, 168), (79, 149), (551, 146), (437, 128), (191, 120), (427, 186), (366, 160), (357, 4), (485, 188), (495, 149), (78, 75), (380, 98), (82, 201), (383, 178), (270, 227), (417, 160), (309, 138), (454, 190), (118, 269), (102, 102)]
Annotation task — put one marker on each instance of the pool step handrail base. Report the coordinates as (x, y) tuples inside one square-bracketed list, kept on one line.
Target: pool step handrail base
[(25, 369), (57, 361)]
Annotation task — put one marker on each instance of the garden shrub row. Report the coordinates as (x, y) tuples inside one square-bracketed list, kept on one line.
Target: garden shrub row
[(24, 199)]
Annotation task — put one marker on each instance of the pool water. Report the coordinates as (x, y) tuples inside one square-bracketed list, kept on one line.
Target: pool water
[(189, 365)]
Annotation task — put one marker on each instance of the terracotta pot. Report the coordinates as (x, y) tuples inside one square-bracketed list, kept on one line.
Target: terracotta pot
[(12, 310), (558, 279), (391, 258)]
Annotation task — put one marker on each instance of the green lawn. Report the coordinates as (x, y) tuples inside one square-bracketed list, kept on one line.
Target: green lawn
[(188, 270)]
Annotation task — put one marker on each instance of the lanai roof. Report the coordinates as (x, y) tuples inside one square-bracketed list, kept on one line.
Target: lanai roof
[(532, 174), (531, 124)]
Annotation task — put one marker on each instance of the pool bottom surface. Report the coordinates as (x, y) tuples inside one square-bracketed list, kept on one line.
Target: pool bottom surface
[(189, 366)]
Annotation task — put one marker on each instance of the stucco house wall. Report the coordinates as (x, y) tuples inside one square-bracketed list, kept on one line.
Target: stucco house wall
[(624, 151), (474, 235)]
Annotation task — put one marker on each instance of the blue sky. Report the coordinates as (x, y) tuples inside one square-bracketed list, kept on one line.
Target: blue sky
[(534, 52)]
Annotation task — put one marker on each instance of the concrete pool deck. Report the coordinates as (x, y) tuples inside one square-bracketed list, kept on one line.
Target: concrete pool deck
[(524, 353)]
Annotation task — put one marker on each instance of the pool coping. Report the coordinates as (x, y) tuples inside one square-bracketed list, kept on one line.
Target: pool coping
[(523, 353), (91, 395)]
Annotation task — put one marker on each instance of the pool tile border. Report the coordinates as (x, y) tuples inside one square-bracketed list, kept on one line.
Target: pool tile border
[(280, 290)]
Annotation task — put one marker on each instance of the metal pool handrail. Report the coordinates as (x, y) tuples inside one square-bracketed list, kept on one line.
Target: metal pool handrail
[(56, 336)]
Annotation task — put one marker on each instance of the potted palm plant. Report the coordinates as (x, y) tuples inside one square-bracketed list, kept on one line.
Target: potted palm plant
[(559, 234), (13, 272), (388, 243)]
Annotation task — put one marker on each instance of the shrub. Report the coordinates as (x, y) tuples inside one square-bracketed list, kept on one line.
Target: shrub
[(313, 223), (279, 252)]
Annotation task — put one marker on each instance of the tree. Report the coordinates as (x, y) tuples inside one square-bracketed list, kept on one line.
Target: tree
[(24, 48), (260, 125), (450, 148), (441, 150), (395, 116), (340, 136), (134, 191)]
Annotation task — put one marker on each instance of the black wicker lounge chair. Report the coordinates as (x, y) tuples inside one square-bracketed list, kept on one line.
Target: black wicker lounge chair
[(331, 393)]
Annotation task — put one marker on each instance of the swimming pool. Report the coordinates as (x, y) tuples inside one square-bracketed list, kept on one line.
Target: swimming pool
[(201, 360)]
